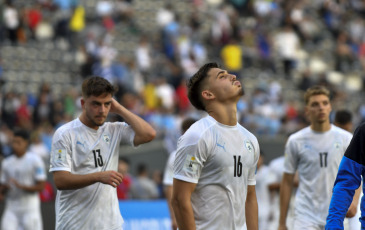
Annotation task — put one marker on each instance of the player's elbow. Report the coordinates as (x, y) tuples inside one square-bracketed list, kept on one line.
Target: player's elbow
[(149, 136)]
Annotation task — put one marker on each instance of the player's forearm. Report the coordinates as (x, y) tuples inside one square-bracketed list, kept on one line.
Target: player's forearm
[(143, 131), (285, 195), (347, 181), (69, 181), (251, 209), (38, 187), (184, 214), (168, 194)]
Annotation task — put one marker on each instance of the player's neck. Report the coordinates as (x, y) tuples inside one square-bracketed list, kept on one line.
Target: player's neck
[(84, 120), (19, 155), (321, 127), (224, 114)]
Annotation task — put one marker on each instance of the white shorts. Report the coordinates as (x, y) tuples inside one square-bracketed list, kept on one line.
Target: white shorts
[(26, 220), (305, 225)]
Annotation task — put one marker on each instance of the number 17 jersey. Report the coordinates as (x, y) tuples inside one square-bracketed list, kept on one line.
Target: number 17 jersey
[(316, 156), (79, 149)]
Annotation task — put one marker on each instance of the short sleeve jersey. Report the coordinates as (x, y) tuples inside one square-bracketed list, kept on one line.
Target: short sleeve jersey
[(222, 161), (168, 175), (316, 156), (26, 170), (79, 149)]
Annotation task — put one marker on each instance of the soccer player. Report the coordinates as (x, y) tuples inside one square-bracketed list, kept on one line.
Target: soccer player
[(347, 185), (315, 152), (169, 172), (343, 119), (23, 176), (216, 158), (84, 159)]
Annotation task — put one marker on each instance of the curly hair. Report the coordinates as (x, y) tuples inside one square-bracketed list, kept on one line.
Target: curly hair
[(195, 85)]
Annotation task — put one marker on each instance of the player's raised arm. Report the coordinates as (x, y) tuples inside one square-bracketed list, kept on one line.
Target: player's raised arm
[(143, 131)]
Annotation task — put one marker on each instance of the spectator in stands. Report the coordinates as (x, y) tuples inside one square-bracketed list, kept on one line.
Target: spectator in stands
[(343, 119), (143, 187), (12, 21), (123, 189)]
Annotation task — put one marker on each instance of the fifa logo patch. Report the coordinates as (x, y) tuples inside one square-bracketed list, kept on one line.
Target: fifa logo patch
[(60, 155), (106, 138), (191, 165), (249, 146)]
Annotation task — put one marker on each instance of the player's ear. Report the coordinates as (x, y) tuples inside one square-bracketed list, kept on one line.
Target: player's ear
[(82, 102), (207, 95)]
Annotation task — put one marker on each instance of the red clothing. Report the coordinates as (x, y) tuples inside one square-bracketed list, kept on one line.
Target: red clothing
[(123, 188)]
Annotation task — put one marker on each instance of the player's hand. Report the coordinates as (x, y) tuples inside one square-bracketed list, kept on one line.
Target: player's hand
[(112, 178), (115, 106), (174, 224), (282, 227), (15, 183), (352, 211)]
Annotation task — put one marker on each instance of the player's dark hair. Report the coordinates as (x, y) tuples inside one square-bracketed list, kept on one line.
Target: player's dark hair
[(343, 117), (96, 86), (185, 125), (195, 84), (24, 134), (315, 90)]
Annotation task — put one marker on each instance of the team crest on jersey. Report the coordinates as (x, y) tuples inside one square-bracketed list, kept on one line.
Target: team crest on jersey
[(249, 146), (337, 145), (191, 165), (106, 138)]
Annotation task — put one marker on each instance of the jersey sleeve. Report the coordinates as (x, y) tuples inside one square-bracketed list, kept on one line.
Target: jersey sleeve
[(126, 133), (3, 175), (190, 158), (291, 157), (252, 171), (61, 153), (39, 169), (348, 180), (168, 175)]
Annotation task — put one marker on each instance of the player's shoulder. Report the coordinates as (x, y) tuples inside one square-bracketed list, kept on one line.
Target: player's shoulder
[(31, 156), (246, 132), (300, 134), (340, 131), (198, 130), (68, 127)]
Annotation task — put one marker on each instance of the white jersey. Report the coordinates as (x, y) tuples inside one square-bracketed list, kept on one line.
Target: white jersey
[(26, 170), (317, 157), (222, 161), (79, 149), (168, 176)]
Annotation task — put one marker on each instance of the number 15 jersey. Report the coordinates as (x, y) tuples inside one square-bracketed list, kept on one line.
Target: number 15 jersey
[(316, 156), (222, 161), (79, 149)]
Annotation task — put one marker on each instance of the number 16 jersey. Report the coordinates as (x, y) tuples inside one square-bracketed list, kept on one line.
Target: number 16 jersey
[(221, 160), (79, 149), (316, 156)]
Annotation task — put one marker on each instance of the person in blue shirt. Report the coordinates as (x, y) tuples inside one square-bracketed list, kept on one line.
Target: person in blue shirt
[(348, 179)]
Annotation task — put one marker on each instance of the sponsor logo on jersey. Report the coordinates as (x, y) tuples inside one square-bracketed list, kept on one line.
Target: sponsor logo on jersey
[(223, 146), (79, 143), (106, 138), (249, 146)]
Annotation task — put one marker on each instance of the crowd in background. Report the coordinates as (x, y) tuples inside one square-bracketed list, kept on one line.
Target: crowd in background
[(277, 48)]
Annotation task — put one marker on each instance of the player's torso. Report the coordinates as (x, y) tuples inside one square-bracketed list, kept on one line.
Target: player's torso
[(320, 155), (94, 151), (232, 154)]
